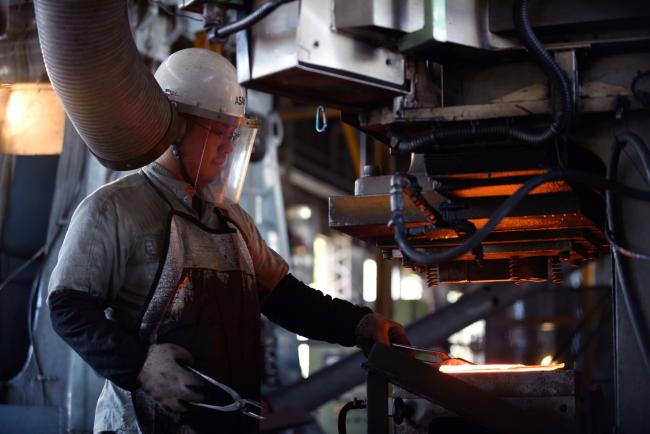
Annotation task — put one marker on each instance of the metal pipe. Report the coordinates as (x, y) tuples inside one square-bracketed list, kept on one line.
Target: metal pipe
[(334, 380), (343, 414), (250, 19), (107, 91)]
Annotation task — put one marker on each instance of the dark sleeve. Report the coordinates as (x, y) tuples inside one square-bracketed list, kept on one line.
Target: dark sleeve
[(105, 345), (310, 313)]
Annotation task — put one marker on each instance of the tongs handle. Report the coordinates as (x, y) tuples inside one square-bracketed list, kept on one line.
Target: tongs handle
[(239, 403), (439, 354), (444, 358), (235, 406)]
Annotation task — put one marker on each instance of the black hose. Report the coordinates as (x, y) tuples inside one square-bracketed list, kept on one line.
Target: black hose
[(413, 190), (643, 153), (250, 19), (631, 301), (343, 414), (398, 224), (562, 92)]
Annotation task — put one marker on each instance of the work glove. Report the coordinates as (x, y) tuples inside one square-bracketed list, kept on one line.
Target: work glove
[(166, 381), (373, 327)]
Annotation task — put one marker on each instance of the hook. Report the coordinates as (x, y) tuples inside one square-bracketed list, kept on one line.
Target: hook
[(321, 119)]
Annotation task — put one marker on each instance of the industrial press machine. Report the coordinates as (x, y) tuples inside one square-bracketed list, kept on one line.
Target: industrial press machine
[(505, 121), (517, 134)]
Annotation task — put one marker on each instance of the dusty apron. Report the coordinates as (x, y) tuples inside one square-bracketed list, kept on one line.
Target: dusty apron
[(204, 299)]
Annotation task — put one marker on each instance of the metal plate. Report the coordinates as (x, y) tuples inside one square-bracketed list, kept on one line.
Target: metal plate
[(295, 52), (464, 399), (366, 217), (396, 15), (596, 15)]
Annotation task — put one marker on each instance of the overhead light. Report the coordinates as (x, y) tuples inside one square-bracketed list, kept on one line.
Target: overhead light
[(299, 212), (303, 359), (411, 287), (453, 296), (32, 120), (547, 327), (369, 283)]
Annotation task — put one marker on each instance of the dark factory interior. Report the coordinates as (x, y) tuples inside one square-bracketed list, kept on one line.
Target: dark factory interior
[(324, 216)]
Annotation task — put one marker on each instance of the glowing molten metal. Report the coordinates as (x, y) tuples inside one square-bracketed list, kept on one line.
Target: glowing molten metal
[(462, 369)]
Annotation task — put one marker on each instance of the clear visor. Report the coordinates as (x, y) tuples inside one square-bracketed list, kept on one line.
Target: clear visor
[(228, 184)]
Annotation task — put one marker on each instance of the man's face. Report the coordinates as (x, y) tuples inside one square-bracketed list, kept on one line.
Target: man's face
[(205, 165)]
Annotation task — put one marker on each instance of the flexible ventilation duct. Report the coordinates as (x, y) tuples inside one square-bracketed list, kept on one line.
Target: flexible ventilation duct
[(107, 91)]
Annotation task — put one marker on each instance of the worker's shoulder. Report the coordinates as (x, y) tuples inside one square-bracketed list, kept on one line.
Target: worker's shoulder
[(235, 212), (123, 196), (119, 189)]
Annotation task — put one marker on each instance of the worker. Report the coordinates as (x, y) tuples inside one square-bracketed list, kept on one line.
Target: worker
[(162, 277)]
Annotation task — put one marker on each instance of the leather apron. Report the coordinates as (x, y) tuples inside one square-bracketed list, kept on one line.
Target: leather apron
[(204, 299)]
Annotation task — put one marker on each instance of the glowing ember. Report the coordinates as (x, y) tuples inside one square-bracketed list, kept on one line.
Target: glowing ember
[(462, 369), (546, 361)]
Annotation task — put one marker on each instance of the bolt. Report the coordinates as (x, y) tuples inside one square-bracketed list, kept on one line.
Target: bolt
[(370, 170)]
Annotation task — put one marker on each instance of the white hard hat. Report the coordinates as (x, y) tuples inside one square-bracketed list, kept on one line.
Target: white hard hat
[(202, 83)]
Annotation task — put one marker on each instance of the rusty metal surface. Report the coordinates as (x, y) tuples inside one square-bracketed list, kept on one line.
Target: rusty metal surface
[(347, 213), (477, 185), (542, 393), (534, 269), (592, 101), (462, 398), (562, 408), (600, 92), (523, 384), (366, 217), (549, 225)]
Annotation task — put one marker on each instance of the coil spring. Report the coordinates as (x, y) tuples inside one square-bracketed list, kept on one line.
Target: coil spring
[(514, 269), (557, 271), (433, 276), (406, 263)]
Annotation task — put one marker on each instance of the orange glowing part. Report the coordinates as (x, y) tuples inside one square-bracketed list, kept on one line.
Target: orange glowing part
[(466, 369)]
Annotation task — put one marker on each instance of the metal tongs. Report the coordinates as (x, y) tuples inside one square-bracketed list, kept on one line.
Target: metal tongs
[(444, 358), (240, 404)]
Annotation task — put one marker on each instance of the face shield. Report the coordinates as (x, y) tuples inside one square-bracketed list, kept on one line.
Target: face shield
[(226, 187)]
